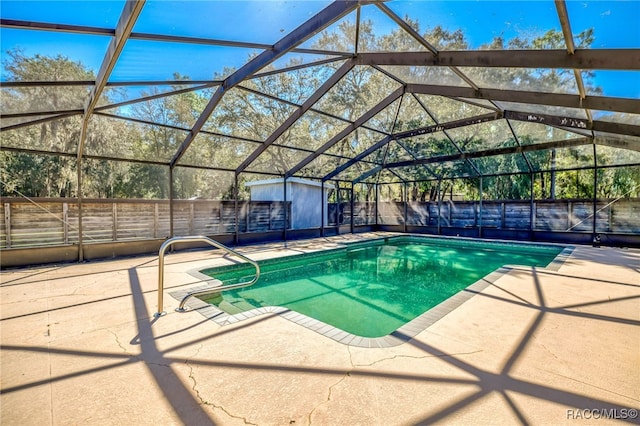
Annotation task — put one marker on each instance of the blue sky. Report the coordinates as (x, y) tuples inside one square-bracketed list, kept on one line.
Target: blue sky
[(615, 24)]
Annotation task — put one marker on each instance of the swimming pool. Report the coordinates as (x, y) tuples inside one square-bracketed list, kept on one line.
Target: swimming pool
[(375, 288)]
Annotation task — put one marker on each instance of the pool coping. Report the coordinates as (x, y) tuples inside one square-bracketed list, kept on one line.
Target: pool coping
[(401, 335)]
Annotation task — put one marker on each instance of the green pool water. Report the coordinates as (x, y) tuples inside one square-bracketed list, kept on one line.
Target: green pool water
[(371, 291)]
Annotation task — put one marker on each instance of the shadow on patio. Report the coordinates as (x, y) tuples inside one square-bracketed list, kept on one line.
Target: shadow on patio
[(175, 375)]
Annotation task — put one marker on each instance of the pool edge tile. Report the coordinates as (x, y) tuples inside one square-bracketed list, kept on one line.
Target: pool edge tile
[(402, 335)]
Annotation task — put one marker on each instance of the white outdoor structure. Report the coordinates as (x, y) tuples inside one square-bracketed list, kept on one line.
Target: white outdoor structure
[(305, 196)]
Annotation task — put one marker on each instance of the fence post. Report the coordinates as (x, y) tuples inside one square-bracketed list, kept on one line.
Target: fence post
[(114, 225), (247, 215), (377, 212), (236, 192), (191, 213), (323, 207), (270, 213), (406, 201), (439, 207), (171, 202), (286, 210), (532, 206), (65, 222), (595, 236), (352, 207), (7, 223), (156, 215), (337, 208), (480, 213)]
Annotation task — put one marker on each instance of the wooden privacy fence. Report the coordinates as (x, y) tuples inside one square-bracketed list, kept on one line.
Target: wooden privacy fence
[(47, 222), (51, 222), (614, 216)]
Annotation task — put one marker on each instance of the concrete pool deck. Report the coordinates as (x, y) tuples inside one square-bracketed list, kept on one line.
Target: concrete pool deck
[(80, 345)]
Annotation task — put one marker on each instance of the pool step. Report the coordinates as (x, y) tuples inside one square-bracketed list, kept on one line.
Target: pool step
[(235, 306)]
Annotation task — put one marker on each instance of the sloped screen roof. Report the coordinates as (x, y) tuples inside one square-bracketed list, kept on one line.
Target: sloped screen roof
[(358, 91)]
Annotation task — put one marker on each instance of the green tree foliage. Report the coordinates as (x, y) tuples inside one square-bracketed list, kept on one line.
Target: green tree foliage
[(248, 114), (29, 173)]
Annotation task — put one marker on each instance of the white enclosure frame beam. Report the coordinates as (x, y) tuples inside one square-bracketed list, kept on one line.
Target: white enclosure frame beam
[(586, 59), (603, 103), (295, 116), (323, 19), (130, 13), (348, 130)]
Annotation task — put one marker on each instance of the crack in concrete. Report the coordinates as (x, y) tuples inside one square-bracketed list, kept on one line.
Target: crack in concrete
[(355, 366), (415, 357), (589, 384), (350, 357), (201, 400), (118, 340), (124, 349), (549, 351), (347, 374)]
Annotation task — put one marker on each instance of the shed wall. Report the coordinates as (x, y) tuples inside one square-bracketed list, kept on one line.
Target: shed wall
[(306, 201)]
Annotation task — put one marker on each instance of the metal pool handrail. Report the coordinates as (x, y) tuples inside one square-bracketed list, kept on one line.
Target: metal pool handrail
[(171, 241)]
